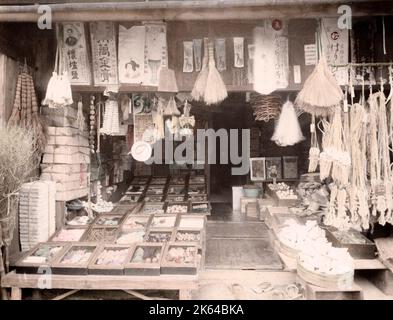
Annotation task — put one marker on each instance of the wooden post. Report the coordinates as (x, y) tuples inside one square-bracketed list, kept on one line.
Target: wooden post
[(16, 293)]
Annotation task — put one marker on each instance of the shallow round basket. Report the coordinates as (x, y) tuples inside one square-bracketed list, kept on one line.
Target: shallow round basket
[(288, 251), (251, 191), (330, 281)]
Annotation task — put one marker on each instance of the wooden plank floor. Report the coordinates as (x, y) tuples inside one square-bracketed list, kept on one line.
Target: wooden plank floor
[(220, 229)]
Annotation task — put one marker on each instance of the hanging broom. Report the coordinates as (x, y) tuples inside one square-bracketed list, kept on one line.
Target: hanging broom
[(215, 90), (200, 83)]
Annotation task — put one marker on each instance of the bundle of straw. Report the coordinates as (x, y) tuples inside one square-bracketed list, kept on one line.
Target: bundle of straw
[(200, 83), (321, 93)]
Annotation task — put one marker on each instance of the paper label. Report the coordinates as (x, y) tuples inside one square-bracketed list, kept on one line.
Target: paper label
[(188, 63), (297, 78), (310, 54), (220, 51), (238, 52), (197, 46)]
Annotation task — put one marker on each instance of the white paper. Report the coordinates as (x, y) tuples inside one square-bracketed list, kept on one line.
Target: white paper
[(310, 54), (297, 78), (188, 61), (197, 45), (238, 52), (220, 54)]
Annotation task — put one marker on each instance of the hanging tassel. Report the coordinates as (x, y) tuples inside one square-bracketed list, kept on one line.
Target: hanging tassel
[(287, 131), (80, 118), (314, 150), (215, 90), (200, 83)]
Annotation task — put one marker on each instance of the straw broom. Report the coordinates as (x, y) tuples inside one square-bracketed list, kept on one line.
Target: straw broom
[(200, 82), (215, 90)]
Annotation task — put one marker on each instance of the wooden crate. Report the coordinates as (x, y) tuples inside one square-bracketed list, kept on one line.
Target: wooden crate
[(279, 202), (144, 268), (171, 267), (192, 221), (168, 232), (175, 198), (94, 268), (102, 218), (60, 266), (195, 210), (199, 232), (100, 235), (142, 221), (54, 237), (171, 204), (157, 221)]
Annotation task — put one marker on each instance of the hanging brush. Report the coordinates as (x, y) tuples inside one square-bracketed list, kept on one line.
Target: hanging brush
[(215, 90), (200, 82)]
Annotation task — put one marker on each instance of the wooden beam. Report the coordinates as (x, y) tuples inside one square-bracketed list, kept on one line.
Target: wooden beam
[(191, 10)]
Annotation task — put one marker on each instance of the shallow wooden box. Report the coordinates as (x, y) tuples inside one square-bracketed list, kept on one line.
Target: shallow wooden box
[(136, 189), (192, 221), (139, 218), (157, 180), (359, 247), (30, 267), (73, 268), (175, 198), (55, 235), (196, 180), (188, 230), (100, 235), (196, 189), (282, 202), (168, 231), (143, 268), (101, 217), (176, 190), (129, 199), (171, 204), (153, 198), (170, 267), (197, 197), (155, 190), (93, 268), (202, 212), (141, 180), (151, 207), (155, 225), (178, 180)]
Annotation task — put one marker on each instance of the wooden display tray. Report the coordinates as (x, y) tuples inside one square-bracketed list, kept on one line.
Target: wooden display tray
[(200, 189), (184, 203), (141, 180), (129, 199), (176, 190), (28, 267), (176, 198), (153, 198), (197, 197), (282, 202), (169, 231), (52, 238), (135, 189), (188, 230), (169, 267), (189, 217), (124, 228), (159, 180), (93, 268), (357, 250), (207, 212), (155, 190), (73, 268), (154, 206), (178, 180), (158, 216), (118, 217), (196, 180), (142, 268), (109, 235)]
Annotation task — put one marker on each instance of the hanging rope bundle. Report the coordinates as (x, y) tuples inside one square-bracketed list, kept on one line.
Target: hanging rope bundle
[(313, 155)]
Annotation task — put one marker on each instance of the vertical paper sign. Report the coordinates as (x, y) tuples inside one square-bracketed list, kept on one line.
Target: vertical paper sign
[(188, 61), (250, 63), (103, 46), (221, 59), (197, 44), (75, 53), (310, 55), (131, 54), (335, 47), (238, 52)]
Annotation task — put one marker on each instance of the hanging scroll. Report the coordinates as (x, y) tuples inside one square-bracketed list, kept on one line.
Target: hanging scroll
[(188, 65), (238, 52), (131, 54), (103, 46), (197, 45), (156, 55), (74, 51), (335, 48), (220, 50)]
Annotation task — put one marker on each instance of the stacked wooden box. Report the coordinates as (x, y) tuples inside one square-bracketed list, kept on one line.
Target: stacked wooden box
[(67, 154)]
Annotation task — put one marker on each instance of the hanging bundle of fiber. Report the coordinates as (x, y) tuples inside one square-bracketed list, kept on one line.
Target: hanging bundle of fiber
[(110, 125), (215, 90), (200, 83), (25, 110), (58, 91), (287, 131), (313, 155), (80, 118), (321, 93), (265, 107)]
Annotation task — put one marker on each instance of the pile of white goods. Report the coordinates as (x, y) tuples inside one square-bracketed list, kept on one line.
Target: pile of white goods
[(67, 155), (37, 214)]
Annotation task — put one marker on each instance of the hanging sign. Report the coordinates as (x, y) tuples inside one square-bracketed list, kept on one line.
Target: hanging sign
[(131, 54), (74, 52), (156, 55), (310, 55), (197, 44), (221, 62), (335, 47), (238, 52), (188, 63), (103, 47)]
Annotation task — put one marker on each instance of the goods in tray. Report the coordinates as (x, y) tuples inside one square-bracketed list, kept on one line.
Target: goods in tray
[(159, 236), (158, 180), (176, 208), (109, 260), (163, 222), (153, 198), (132, 223), (145, 260), (193, 222), (175, 198), (106, 235), (129, 199), (135, 189), (196, 180), (200, 207), (155, 190), (176, 190), (111, 257), (140, 180), (79, 221), (74, 260), (68, 235), (180, 259), (188, 236), (178, 180), (196, 189), (153, 208), (41, 255), (107, 221), (130, 237), (198, 198), (283, 194)]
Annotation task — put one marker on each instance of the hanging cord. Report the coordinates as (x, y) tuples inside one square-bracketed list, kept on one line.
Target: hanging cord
[(383, 35)]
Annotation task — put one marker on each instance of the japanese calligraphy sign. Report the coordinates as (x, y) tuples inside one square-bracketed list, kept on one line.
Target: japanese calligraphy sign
[(103, 46), (335, 47), (74, 52)]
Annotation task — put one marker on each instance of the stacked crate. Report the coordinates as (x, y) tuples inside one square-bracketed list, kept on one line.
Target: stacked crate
[(67, 154)]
